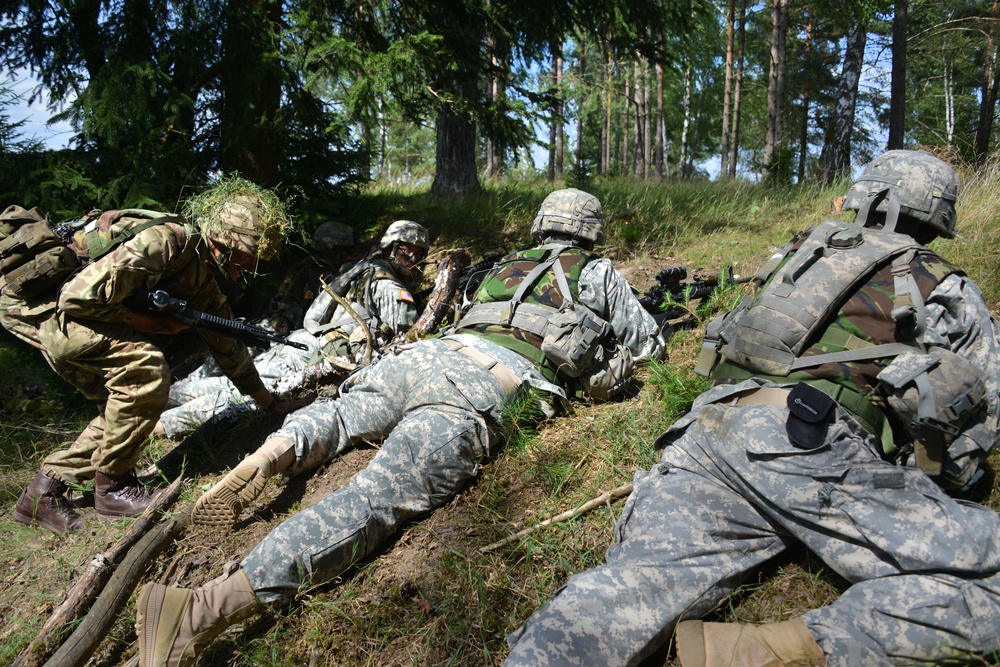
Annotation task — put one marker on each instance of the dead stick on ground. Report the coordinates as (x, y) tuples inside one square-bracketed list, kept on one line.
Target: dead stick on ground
[(78, 648), (90, 584), (608, 497)]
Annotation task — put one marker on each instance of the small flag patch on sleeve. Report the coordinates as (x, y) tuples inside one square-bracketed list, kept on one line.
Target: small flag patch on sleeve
[(404, 295)]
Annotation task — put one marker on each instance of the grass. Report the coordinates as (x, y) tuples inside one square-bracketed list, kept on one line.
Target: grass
[(432, 597)]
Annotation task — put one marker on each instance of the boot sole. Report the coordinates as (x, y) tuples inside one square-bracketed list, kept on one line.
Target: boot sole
[(222, 505), (153, 600)]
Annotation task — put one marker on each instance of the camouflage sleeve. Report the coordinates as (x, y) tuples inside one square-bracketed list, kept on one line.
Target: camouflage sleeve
[(607, 293), (319, 312), (395, 309), (959, 320), (97, 292)]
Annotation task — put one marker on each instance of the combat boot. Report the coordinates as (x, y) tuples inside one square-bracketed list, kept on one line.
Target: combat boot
[(222, 504), (175, 624), (44, 502), (121, 495), (784, 644)]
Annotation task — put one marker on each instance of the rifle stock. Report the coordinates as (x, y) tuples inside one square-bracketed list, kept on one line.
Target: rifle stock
[(159, 302), (672, 283)]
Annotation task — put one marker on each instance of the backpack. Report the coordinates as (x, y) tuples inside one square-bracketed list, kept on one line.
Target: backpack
[(37, 257)]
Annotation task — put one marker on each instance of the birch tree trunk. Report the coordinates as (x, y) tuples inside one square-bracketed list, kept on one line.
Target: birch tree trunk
[(775, 92), (742, 40), (897, 85), (728, 90), (835, 158)]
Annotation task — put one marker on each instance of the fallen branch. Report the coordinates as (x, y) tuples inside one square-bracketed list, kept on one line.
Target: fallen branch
[(76, 650), (87, 588), (443, 295), (604, 498)]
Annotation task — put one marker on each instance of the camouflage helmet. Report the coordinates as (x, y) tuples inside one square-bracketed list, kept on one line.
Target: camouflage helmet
[(331, 236), (240, 215), (570, 212), (405, 231), (925, 187)]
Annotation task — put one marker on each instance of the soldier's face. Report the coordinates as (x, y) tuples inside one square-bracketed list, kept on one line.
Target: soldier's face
[(238, 263), (409, 255)]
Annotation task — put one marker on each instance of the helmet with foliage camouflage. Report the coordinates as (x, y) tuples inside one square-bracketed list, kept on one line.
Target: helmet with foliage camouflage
[(405, 231), (925, 187), (330, 236), (240, 215), (570, 212)]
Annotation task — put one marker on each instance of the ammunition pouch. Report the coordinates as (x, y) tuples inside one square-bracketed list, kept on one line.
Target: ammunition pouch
[(34, 259)]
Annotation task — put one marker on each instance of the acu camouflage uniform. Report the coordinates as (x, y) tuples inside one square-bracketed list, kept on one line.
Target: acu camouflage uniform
[(436, 404), (732, 491), (83, 331), (386, 304)]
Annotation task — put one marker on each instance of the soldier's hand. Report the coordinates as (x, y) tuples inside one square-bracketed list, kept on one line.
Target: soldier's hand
[(155, 324), (283, 408)]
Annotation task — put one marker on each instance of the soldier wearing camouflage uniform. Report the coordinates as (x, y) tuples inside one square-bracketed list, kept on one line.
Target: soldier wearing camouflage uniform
[(835, 443), (436, 403), (93, 339), (380, 289)]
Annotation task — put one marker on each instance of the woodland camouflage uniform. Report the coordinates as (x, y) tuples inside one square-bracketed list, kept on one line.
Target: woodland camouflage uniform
[(90, 336), (434, 405), (747, 474)]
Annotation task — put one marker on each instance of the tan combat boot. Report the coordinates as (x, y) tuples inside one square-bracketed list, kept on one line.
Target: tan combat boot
[(221, 505), (784, 644), (175, 624)]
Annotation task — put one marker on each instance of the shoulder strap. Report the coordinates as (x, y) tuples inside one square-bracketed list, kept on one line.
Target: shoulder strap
[(97, 247)]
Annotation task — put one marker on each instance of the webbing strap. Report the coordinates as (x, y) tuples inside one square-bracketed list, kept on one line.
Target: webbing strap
[(123, 236)]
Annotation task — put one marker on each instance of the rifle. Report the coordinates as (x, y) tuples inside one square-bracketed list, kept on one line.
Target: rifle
[(672, 282), (159, 302)]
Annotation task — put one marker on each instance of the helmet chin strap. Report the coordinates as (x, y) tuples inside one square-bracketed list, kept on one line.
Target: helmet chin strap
[(891, 216)]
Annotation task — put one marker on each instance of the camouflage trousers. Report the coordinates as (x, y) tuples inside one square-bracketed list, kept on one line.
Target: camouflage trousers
[(730, 493), (434, 407), (126, 373), (198, 399)]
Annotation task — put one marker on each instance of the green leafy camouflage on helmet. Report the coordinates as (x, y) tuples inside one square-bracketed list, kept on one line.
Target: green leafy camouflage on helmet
[(331, 236), (925, 187), (405, 231), (241, 215), (572, 213)]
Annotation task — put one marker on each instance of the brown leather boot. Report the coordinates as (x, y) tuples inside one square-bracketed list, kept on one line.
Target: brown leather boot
[(174, 625), (221, 505), (44, 502), (784, 644), (120, 495)]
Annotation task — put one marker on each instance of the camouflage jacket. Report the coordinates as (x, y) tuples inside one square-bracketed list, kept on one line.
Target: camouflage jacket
[(173, 257)]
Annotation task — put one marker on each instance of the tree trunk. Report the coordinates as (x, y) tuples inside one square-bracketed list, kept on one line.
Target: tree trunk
[(897, 86), (579, 110), (728, 90), (682, 159), (647, 116), (776, 93), (988, 96), (251, 78), (804, 132), (559, 146), (742, 40), (835, 158), (606, 117), (660, 127), (494, 92), (455, 155)]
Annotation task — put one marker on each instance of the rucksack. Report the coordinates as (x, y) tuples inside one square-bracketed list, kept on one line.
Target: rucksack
[(37, 257)]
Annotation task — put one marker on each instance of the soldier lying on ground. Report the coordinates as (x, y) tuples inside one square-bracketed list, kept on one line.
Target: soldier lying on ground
[(553, 318), (103, 347), (380, 290), (854, 390)]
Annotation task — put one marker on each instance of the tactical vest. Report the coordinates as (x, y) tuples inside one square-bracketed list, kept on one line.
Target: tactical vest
[(524, 290), (38, 257), (355, 286), (833, 314)]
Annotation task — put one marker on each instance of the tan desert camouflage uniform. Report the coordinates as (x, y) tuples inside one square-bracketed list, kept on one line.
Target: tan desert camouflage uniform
[(84, 333)]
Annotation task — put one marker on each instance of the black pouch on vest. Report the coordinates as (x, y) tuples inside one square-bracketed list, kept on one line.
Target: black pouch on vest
[(809, 416)]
